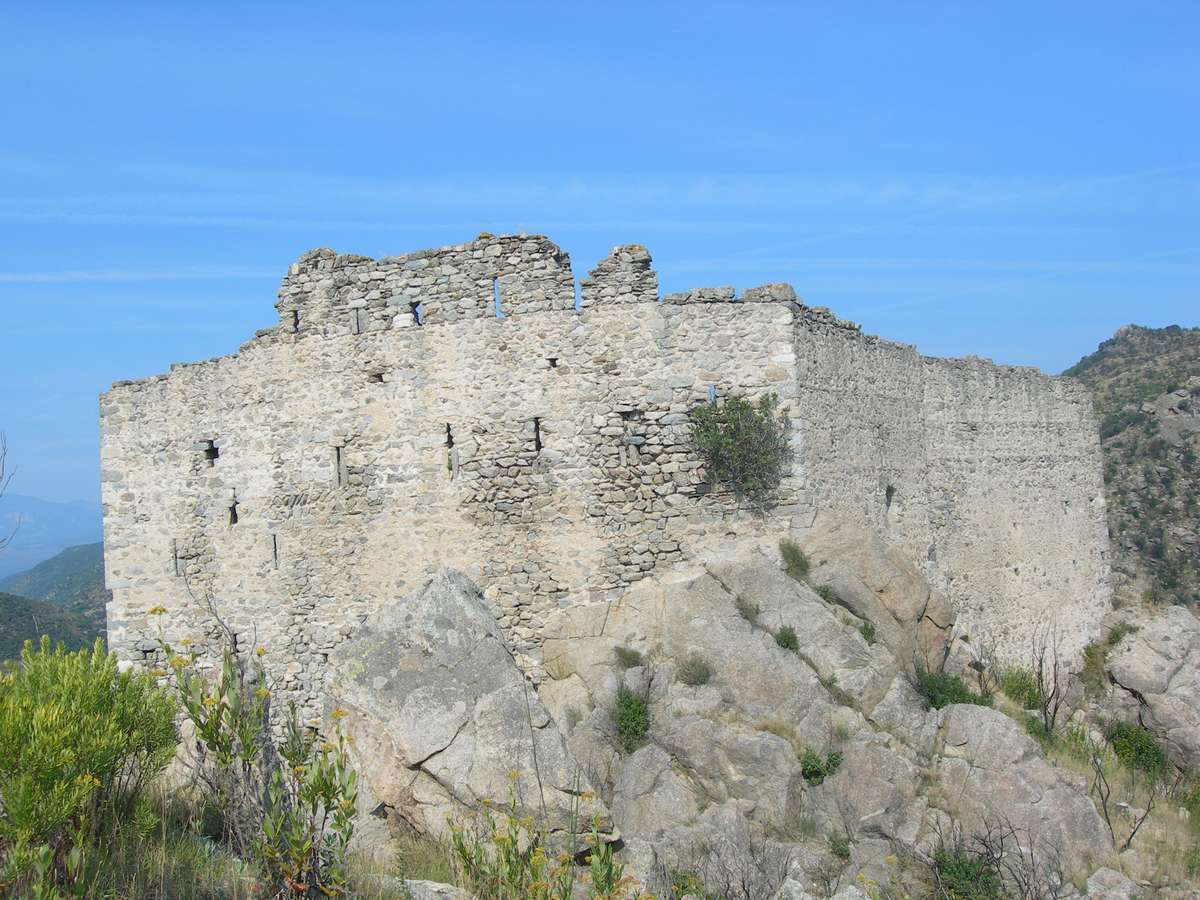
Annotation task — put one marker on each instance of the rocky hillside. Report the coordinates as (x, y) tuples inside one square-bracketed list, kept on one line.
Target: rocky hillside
[(1146, 385), (761, 726)]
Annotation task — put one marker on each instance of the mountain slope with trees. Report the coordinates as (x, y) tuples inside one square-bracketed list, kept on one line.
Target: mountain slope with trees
[(1146, 386)]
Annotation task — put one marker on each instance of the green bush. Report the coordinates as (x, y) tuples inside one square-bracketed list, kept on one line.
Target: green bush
[(795, 561), (815, 769), (1118, 632), (1136, 748), (962, 875), (1021, 686), (839, 846), (694, 670), (633, 719), (786, 638), (628, 658), (79, 741), (826, 592), (942, 689), (685, 883), (867, 630), (743, 444)]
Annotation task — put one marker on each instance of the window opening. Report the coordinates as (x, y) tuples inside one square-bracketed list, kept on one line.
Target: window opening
[(275, 551), (712, 394), (415, 309), (889, 494), (233, 513), (210, 450), (553, 360), (339, 465), (175, 554), (496, 298), (578, 297), (375, 377), (296, 319), (537, 434)]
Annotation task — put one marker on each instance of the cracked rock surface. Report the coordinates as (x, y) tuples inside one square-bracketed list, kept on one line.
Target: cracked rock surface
[(442, 719)]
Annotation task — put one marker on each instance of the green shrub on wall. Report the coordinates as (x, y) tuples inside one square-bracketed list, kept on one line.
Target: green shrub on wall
[(744, 444)]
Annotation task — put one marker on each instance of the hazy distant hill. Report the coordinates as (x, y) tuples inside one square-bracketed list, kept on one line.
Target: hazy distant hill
[(1146, 386), (43, 528), (73, 581)]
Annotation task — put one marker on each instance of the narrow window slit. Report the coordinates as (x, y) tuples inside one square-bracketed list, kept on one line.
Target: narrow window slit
[(295, 320), (537, 434), (451, 453), (449, 437), (177, 561), (496, 298), (578, 297), (275, 551), (889, 495), (712, 394), (211, 451), (356, 321), (233, 513), (415, 309), (339, 466)]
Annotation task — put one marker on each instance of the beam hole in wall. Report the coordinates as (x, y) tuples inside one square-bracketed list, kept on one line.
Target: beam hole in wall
[(496, 298), (537, 434), (553, 361), (375, 377), (630, 415), (211, 452), (415, 309)]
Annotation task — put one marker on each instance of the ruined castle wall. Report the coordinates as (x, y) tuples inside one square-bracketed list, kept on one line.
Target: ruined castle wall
[(343, 455), (989, 475)]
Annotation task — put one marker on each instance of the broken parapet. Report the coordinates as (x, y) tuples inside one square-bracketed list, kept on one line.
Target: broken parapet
[(624, 276)]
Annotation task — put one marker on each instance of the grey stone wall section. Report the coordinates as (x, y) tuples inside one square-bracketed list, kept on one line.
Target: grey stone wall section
[(343, 456)]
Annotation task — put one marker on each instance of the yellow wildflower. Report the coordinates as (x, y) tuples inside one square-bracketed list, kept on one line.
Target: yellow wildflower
[(209, 702), (157, 610), (338, 713), (262, 693), (178, 662), (261, 651), (186, 642)]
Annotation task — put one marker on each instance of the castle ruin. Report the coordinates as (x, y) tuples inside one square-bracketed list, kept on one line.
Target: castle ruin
[(470, 406)]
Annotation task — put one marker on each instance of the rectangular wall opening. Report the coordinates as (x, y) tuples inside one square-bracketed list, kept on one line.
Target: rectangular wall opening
[(451, 455), (233, 512), (496, 298), (275, 551), (340, 474), (295, 320), (375, 377), (210, 451), (537, 434), (415, 309), (553, 361), (712, 394)]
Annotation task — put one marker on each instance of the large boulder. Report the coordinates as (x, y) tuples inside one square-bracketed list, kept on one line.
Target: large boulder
[(877, 581), (441, 719), (1156, 675), (991, 773)]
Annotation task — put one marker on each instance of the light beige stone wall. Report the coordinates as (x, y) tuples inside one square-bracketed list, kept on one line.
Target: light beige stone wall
[(343, 455)]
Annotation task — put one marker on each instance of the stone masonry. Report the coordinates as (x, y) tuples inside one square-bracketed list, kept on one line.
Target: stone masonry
[(465, 407)]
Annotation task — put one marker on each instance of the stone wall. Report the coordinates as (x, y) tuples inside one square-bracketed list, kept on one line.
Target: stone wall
[(393, 423)]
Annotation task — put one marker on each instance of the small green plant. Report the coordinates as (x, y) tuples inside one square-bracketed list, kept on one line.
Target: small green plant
[(686, 883), (694, 670), (744, 444), (1021, 686), (962, 875), (628, 658), (816, 769), (1120, 631), (826, 593), (633, 719), (1095, 660), (748, 610), (795, 561), (839, 846), (1137, 749), (867, 630), (786, 638), (941, 689), (1036, 728), (829, 681)]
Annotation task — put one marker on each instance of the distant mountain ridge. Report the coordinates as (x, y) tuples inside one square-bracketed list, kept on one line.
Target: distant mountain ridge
[(43, 528), (1145, 383), (63, 597)]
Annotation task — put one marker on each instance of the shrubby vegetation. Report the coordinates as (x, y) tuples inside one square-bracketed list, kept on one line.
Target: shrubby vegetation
[(694, 670), (816, 769), (941, 689), (632, 716), (79, 742), (744, 444)]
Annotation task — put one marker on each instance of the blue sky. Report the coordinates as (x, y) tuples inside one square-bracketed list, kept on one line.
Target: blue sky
[(1013, 180)]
